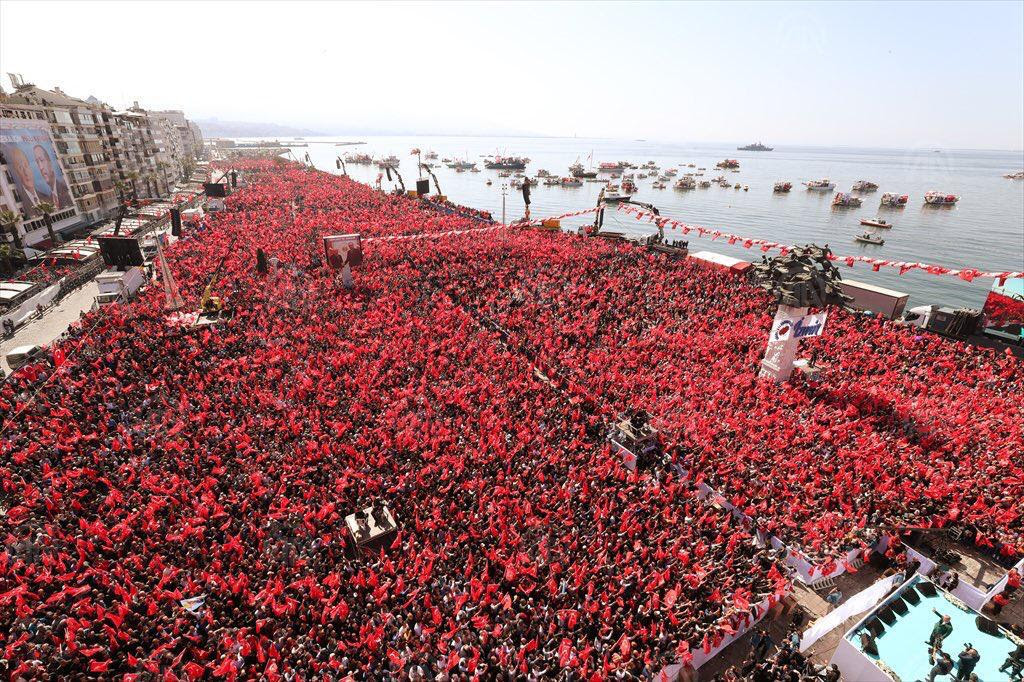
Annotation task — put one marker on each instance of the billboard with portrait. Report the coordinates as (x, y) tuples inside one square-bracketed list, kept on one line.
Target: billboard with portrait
[(27, 147)]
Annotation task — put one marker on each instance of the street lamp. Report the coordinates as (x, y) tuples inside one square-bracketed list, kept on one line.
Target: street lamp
[(504, 192)]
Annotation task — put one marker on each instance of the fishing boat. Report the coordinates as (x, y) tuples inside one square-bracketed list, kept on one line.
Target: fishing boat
[(658, 185), (388, 162), (671, 172), (736, 186), (578, 171), (864, 186), (868, 238), (571, 182), (1019, 175), (756, 147), (552, 181), (940, 199), (543, 174), (463, 165), (894, 200), (704, 184), (474, 169), (728, 163), (430, 156), (629, 187), (507, 163), (611, 166), (685, 182), (875, 222), (823, 185), (519, 183), (359, 159), (845, 200), (782, 187), (612, 193), (504, 174)]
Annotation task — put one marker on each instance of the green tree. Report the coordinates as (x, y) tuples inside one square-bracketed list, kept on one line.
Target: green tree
[(48, 209), (9, 220), (5, 257)]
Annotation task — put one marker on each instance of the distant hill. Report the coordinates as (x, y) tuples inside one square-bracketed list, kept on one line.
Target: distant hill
[(214, 127)]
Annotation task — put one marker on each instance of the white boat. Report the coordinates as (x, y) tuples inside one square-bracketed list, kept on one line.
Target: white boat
[(894, 200), (613, 193), (552, 181), (1019, 175), (845, 200), (823, 185), (388, 162), (463, 165), (671, 172), (940, 199), (571, 182), (612, 167), (864, 186)]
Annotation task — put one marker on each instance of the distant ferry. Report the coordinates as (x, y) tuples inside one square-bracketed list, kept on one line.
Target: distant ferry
[(507, 163), (756, 147)]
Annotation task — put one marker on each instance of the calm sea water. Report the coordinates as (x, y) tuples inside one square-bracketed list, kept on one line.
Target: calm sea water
[(984, 230)]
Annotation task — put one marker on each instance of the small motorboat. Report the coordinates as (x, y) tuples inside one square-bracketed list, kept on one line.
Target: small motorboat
[(875, 222), (489, 182), (894, 200), (823, 185), (685, 182), (845, 200), (704, 184), (781, 187), (864, 186), (737, 186), (658, 185), (868, 238), (571, 182), (746, 188), (940, 199)]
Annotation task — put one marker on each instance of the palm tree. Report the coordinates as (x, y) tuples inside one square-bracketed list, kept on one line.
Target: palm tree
[(5, 257), (9, 220), (47, 209)]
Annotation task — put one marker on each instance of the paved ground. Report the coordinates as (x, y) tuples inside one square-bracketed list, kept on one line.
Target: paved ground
[(53, 323)]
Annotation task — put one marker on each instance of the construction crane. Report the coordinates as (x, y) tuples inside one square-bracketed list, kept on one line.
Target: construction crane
[(437, 184), (210, 304)]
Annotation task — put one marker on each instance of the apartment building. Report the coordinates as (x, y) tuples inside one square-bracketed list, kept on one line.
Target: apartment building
[(99, 152)]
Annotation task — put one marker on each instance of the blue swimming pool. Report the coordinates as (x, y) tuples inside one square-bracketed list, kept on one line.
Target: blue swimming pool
[(904, 650)]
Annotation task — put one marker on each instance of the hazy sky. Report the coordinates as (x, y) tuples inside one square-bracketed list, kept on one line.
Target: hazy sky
[(894, 75)]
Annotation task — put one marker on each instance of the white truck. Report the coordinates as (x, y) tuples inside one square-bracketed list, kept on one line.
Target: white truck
[(118, 286)]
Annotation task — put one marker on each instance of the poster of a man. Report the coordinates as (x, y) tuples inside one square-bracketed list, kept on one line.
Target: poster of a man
[(38, 177)]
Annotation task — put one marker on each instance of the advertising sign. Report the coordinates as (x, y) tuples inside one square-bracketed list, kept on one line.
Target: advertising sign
[(343, 249), (38, 176), (798, 327)]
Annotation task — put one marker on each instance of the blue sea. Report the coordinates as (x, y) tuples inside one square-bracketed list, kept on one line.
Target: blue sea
[(985, 229)]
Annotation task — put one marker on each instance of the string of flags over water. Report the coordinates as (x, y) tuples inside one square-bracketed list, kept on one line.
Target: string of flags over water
[(966, 274)]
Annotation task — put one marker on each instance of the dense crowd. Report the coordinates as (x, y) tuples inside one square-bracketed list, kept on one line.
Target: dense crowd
[(467, 383)]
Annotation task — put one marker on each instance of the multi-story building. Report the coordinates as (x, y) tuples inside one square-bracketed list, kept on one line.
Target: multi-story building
[(101, 153)]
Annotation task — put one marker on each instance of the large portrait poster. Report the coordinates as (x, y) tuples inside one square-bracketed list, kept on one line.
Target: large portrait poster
[(38, 176)]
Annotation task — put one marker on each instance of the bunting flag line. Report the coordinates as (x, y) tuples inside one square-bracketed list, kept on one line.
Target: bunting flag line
[(966, 274)]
